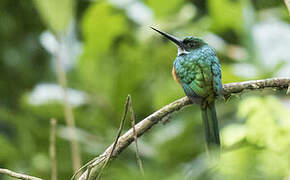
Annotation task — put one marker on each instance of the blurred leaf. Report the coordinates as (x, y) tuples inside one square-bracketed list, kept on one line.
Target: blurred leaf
[(287, 2), (226, 14), (239, 164), (268, 126), (56, 14), (101, 25), (101, 28), (7, 150), (279, 170), (41, 162), (164, 8), (232, 134), (268, 130)]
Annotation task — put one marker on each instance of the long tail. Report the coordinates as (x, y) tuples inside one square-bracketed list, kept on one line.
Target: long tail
[(210, 125)]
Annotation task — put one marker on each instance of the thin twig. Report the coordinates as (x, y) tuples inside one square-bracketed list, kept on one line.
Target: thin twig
[(117, 138), (126, 139), (69, 117), (83, 167), (89, 164), (18, 175), (105, 161), (139, 161), (52, 153)]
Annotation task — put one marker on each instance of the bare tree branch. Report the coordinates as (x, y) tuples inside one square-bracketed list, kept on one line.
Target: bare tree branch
[(17, 175), (276, 83), (126, 139)]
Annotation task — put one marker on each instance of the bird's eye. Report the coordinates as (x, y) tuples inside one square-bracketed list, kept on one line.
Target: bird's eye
[(190, 44)]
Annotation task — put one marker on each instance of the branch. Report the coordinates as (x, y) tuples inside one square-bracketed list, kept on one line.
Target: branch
[(18, 175), (274, 83), (144, 125)]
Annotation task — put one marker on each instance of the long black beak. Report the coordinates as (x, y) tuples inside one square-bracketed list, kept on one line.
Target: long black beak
[(176, 40)]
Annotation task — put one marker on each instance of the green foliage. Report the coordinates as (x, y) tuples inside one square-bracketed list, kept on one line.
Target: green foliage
[(97, 59), (226, 14), (97, 28), (163, 8), (56, 14), (119, 57), (266, 136), (7, 151), (267, 126)]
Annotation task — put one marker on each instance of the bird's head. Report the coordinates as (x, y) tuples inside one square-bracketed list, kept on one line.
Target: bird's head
[(184, 45)]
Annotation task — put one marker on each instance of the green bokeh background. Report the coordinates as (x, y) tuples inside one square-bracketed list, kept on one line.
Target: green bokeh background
[(112, 53)]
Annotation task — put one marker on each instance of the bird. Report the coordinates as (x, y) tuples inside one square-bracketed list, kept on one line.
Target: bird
[(196, 68)]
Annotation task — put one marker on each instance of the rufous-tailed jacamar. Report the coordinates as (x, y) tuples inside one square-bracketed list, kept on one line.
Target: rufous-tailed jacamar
[(197, 69)]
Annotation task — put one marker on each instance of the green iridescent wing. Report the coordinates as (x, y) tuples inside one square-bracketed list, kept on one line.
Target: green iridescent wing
[(199, 76), (217, 82)]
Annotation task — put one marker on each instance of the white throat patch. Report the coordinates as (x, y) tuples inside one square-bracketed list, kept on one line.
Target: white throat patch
[(181, 51)]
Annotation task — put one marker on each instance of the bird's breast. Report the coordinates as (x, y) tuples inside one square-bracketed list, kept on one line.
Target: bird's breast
[(174, 75)]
